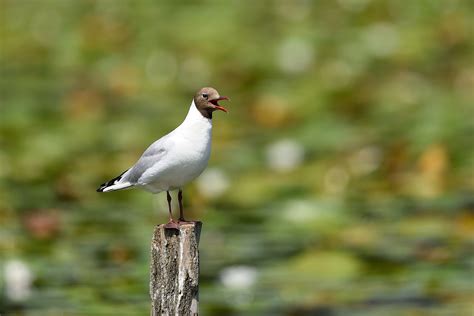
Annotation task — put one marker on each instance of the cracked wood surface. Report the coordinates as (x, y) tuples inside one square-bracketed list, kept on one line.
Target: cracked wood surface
[(174, 270)]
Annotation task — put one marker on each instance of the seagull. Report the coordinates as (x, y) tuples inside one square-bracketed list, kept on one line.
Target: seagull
[(176, 158)]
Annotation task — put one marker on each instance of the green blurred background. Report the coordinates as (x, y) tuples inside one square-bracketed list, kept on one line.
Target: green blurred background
[(340, 183)]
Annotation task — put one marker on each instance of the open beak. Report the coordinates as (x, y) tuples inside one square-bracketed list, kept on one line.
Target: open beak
[(216, 104)]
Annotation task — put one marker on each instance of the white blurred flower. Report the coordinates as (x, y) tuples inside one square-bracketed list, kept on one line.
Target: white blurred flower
[(381, 39), (238, 277), (365, 160), (285, 155), (213, 182), (300, 211), (18, 279), (295, 55), (336, 179)]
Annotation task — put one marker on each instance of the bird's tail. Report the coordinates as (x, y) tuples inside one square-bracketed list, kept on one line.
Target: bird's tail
[(115, 184)]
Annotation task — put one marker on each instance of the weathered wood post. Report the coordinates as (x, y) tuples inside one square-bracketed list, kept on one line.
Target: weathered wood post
[(174, 270)]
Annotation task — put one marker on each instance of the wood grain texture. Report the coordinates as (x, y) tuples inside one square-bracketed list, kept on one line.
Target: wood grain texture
[(174, 270)]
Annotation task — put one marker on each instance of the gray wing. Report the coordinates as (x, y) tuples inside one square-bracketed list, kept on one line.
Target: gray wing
[(152, 156)]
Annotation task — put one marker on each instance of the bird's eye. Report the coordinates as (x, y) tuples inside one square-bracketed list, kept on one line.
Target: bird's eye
[(205, 95)]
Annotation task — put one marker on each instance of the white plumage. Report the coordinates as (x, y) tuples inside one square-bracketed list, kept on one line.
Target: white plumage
[(176, 158), (173, 160)]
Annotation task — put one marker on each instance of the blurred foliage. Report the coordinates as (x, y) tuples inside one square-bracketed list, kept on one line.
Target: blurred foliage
[(341, 182)]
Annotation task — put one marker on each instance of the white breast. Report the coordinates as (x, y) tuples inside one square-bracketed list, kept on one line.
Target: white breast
[(187, 158)]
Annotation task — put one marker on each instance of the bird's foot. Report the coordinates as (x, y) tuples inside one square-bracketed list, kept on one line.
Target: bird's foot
[(183, 221), (172, 225)]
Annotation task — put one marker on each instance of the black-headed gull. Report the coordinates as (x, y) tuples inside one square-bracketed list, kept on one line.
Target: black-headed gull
[(176, 158)]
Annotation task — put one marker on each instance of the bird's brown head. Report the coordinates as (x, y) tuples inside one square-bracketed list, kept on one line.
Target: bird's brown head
[(207, 101)]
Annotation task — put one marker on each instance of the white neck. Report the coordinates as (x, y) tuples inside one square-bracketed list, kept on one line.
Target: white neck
[(195, 124)]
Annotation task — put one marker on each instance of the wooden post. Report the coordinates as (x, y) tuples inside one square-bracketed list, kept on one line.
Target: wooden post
[(174, 270)]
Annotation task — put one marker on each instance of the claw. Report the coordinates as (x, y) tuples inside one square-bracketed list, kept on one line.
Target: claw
[(172, 225)]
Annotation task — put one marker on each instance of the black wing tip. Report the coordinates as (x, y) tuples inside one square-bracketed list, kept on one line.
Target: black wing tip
[(104, 185)]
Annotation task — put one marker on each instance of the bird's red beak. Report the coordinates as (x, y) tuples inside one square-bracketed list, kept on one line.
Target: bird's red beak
[(216, 104)]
